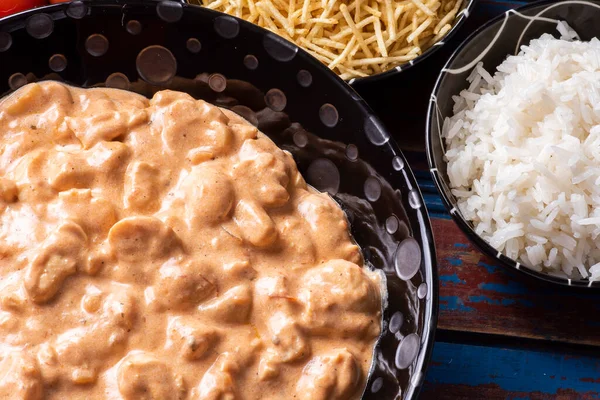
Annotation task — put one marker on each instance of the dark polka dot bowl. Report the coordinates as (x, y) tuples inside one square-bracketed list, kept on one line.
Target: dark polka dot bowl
[(340, 146)]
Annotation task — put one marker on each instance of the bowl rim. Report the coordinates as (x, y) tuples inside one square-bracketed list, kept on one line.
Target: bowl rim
[(424, 228), (459, 20), (462, 223)]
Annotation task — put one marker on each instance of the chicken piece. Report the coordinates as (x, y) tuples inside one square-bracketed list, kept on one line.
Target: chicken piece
[(267, 169), (78, 354), (108, 156), (319, 210), (254, 224), (143, 187), (233, 306), (191, 339), (111, 123), (208, 195), (75, 205), (142, 376), (286, 344), (340, 300), (296, 242), (57, 259), (29, 173), (138, 239), (24, 101), (20, 377), (218, 382), (187, 124), (69, 170), (283, 337), (334, 376), (181, 287)]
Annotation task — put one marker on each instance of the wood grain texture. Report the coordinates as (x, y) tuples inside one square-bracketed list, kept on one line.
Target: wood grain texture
[(474, 372), (478, 295)]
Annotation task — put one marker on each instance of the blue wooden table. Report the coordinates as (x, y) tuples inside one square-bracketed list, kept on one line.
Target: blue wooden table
[(500, 336)]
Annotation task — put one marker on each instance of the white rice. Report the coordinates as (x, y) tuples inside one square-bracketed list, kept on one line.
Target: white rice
[(523, 152)]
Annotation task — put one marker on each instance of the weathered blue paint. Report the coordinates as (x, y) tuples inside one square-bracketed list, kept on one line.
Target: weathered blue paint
[(513, 287), (453, 303), (454, 261), (490, 268), (434, 202), (432, 199), (513, 370), (461, 245), (445, 279), (439, 216), (435, 206)]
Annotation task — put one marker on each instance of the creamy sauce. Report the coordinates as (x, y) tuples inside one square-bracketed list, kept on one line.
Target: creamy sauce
[(166, 249)]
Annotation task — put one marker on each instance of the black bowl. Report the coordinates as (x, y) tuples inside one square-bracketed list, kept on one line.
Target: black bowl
[(339, 145), (491, 44)]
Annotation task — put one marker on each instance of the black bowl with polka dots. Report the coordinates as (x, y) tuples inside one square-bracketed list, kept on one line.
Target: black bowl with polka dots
[(340, 146)]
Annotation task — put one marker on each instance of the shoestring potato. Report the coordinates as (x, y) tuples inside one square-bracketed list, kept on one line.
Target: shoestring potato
[(354, 38)]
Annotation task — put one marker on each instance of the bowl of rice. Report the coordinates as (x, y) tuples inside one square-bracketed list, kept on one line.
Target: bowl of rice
[(358, 39), (513, 140)]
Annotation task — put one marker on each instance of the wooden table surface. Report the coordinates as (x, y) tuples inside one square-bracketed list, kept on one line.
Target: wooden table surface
[(500, 335)]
